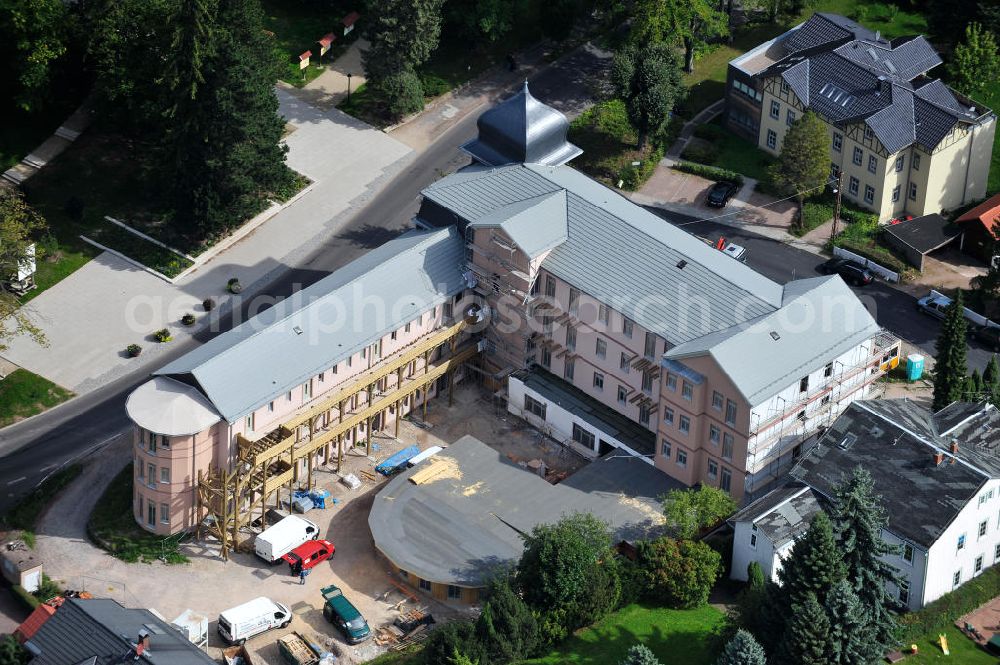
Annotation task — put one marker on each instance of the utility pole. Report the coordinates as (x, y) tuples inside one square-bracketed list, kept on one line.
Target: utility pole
[(836, 205)]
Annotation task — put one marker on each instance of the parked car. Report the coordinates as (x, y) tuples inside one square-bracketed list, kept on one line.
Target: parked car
[(989, 336), (344, 615), (936, 304), (276, 541), (720, 194), (244, 621), (738, 252), (308, 555), (852, 271)]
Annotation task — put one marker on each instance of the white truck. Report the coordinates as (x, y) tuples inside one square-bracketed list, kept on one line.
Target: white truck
[(277, 540), (238, 624)]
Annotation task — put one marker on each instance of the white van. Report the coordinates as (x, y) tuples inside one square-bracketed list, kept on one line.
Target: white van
[(242, 622), (276, 541)]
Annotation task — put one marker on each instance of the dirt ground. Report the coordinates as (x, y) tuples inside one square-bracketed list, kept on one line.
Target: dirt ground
[(208, 584)]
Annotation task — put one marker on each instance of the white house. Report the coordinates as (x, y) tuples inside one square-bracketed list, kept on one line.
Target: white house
[(939, 478)]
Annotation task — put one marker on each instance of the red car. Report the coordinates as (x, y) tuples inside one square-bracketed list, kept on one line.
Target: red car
[(308, 554)]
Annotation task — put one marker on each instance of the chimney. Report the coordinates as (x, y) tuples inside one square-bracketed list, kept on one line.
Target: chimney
[(881, 86), (143, 643), (938, 458), (954, 446)]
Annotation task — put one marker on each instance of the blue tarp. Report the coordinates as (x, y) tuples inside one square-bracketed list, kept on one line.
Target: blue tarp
[(396, 462), (320, 497)]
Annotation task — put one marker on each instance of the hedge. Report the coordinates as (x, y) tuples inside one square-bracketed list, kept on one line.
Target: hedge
[(24, 597), (710, 172), (879, 255), (633, 177), (945, 610)]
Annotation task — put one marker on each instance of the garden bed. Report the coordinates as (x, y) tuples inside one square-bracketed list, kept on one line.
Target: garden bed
[(609, 147)]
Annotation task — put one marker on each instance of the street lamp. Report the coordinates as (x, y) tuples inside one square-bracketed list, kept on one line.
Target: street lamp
[(837, 188), (349, 75)]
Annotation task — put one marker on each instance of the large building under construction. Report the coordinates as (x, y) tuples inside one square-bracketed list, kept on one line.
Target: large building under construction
[(598, 322)]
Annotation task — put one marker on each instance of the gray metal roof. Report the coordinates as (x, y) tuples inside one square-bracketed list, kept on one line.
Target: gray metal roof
[(660, 276), (522, 129), (244, 368), (820, 319), (536, 225), (462, 526), (104, 631)]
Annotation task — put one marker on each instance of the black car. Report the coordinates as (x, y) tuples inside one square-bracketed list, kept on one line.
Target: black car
[(852, 271), (989, 336), (720, 194)]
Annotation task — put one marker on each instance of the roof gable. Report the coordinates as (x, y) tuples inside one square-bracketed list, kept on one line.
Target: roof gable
[(535, 225)]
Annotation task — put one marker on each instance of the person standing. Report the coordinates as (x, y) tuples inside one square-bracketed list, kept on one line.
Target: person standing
[(302, 576)]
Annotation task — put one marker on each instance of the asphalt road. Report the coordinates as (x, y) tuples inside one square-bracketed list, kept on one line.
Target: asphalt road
[(894, 310), (33, 449)]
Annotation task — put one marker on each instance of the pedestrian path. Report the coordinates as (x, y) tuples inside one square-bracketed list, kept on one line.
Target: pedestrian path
[(687, 131), (330, 88)]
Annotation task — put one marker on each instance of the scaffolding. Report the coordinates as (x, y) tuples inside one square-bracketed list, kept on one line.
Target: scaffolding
[(228, 499)]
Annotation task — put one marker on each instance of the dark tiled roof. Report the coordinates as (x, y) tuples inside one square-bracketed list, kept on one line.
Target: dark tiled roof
[(783, 513), (822, 30), (925, 234)]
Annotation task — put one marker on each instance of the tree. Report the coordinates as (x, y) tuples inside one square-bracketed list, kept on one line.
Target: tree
[(690, 510), (813, 565), (12, 653), (506, 628), (558, 17), (950, 368), (32, 37), (461, 659), (975, 61), (687, 22), (806, 639), (742, 649), (679, 573), (454, 638), (401, 93), (755, 576), (402, 34), (803, 167), (639, 654), (18, 222), (479, 20), (987, 287), (991, 381), (850, 640), (858, 519), (648, 80)]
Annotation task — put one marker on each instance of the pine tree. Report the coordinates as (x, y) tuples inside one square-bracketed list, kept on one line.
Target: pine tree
[(640, 655), (506, 628), (807, 635), (950, 367), (743, 649), (991, 381), (858, 519), (814, 564), (850, 639), (755, 576), (976, 391)]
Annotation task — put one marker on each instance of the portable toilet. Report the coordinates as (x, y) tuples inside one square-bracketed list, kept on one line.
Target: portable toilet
[(320, 498), (914, 366)]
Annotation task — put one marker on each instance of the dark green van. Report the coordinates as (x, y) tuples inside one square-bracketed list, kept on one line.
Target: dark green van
[(344, 615)]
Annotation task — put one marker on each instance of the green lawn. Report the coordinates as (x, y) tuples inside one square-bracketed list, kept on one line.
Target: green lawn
[(297, 24), (24, 514), (727, 150), (963, 650), (23, 394), (675, 636), (609, 147)]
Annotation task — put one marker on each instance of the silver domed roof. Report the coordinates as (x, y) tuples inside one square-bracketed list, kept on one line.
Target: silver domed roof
[(522, 130)]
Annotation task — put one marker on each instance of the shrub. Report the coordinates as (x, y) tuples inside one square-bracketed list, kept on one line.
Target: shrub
[(710, 172), (232, 280), (942, 613), (633, 177), (26, 599), (814, 214), (401, 93), (29, 538), (703, 153), (679, 574), (611, 118), (12, 653), (133, 350), (188, 319), (162, 335), (234, 286), (47, 589), (208, 304)]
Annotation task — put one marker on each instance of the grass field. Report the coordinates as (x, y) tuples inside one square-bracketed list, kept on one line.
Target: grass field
[(963, 650), (23, 394), (675, 636), (24, 514)]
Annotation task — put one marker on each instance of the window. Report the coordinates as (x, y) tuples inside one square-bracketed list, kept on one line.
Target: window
[(682, 458), (406, 329), (602, 348), (804, 384), (533, 406), (834, 171), (895, 194), (665, 451), (790, 117), (869, 194), (583, 436), (321, 377), (772, 139), (270, 406), (624, 365), (647, 382), (838, 142), (571, 338), (627, 327), (150, 512), (913, 191), (622, 394), (828, 370), (140, 468), (753, 540), (727, 480), (568, 370), (644, 415), (784, 85), (956, 579), (775, 109), (574, 300), (982, 528), (717, 400), (425, 585), (603, 314), (713, 469), (687, 391), (858, 157), (668, 416), (672, 381), (853, 186), (164, 474), (727, 446), (916, 162), (869, 133), (961, 542), (649, 349), (152, 443), (714, 434), (598, 380), (550, 290), (165, 514), (405, 575), (899, 164), (289, 395), (996, 554), (454, 592), (685, 424), (307, 390), (904, 592), (546, 357), (730, 412), (978, 568), (907, 553), (151, 473)]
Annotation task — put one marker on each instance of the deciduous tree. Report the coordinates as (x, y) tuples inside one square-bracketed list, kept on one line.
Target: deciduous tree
[(18, 223), (648, 80), (803, 167), (742, 649), (679, 573), (975, 61), (688, 23), (402, 35), (690, 510), (33, 36), (950, 366)]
